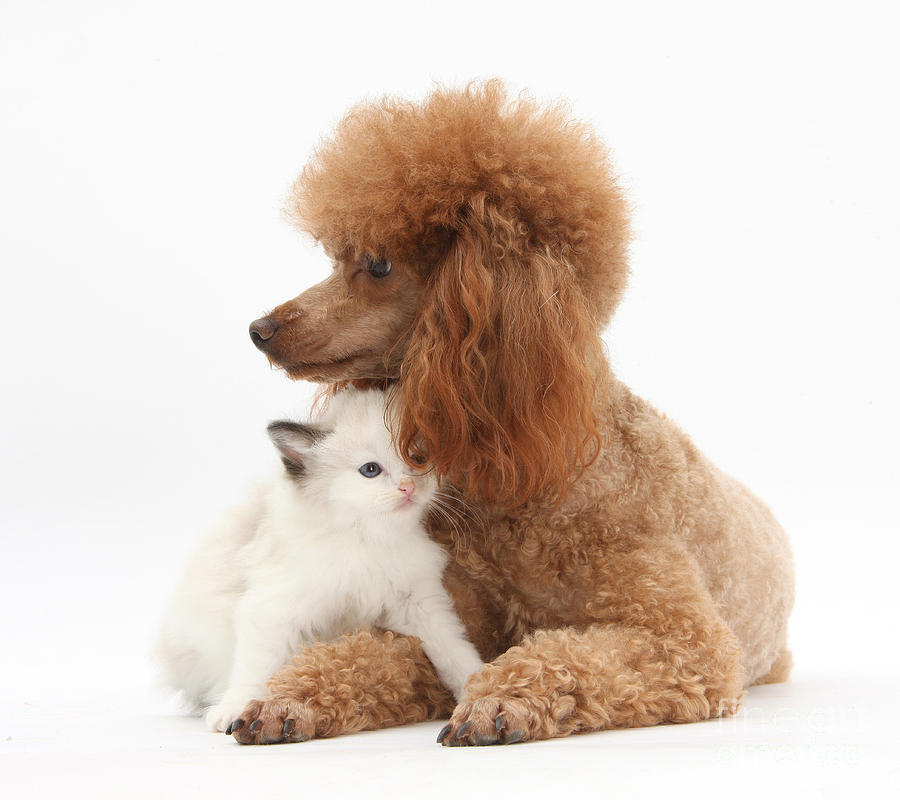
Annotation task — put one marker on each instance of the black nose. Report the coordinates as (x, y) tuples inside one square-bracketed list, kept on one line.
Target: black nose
[(262, 330)]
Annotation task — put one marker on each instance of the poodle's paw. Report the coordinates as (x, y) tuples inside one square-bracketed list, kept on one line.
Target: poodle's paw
[(221, 715), (273, 721), (493, 720)]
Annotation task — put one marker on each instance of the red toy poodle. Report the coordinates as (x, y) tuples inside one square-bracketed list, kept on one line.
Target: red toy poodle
[(608, 573)]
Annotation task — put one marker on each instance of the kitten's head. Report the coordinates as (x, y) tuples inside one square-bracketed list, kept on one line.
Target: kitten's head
[(348, 461)]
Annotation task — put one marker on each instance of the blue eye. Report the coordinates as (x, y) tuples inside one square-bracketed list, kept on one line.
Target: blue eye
[(370, 470)]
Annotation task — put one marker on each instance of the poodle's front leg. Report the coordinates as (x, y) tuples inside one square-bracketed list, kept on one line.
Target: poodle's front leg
[(362, 681), (655, 651), (608, 676)]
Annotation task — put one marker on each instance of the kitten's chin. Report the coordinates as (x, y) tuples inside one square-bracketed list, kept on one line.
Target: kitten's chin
[(410, 511), (408, 506)]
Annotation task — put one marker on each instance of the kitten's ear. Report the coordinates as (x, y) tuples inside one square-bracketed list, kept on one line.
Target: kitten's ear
[(295, 442)]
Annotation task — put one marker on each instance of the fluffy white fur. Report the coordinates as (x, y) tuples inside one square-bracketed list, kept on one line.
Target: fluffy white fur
[(319, 551)]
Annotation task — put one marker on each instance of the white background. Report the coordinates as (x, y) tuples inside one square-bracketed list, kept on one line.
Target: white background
[(145, 150)]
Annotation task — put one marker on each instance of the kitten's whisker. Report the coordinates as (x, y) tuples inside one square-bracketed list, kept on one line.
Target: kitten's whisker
[(446, 512), (460, 507), (441, 510), (459, 515)]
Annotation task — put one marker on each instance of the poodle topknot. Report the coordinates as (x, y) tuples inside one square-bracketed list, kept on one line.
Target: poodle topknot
[(401, 178)]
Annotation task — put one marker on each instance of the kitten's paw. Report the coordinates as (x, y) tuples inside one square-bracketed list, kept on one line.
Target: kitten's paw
[(221, 715), (274, 721)]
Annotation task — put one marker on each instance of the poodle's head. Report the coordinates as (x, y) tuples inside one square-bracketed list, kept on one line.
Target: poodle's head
[(479, 248)]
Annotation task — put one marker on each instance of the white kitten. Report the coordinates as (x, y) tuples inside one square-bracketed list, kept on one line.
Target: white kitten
[(333, 544)]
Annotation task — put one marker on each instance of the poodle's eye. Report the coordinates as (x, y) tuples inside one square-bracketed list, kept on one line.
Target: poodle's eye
[(370, 470), (378, 267)]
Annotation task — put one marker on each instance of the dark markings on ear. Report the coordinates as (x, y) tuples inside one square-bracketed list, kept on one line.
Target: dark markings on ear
[(284, 428), (294, 441), (294, 467)]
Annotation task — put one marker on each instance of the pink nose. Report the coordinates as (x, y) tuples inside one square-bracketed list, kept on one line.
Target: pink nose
[(407, 487)]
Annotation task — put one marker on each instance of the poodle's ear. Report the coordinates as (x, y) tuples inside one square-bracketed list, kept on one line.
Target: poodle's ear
[(499, 386), (295, 442)]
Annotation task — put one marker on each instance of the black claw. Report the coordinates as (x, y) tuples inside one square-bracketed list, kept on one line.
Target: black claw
[(500, 722), (228, 729), (255, 726), (463, 730), (484, 741), (514, 737), (235, 726), (443, 734), (288, 728)]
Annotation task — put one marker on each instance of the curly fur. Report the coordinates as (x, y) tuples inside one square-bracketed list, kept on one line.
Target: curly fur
[(363, 681), (610, 574)]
